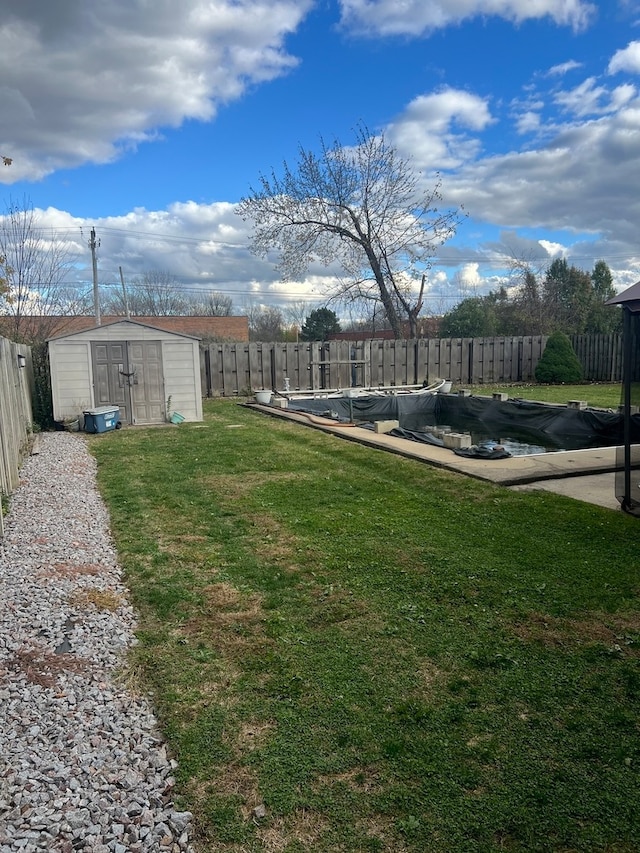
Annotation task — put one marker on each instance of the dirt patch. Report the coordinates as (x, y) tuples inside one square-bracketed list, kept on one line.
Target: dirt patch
[(303, 827), (617, 632), (376, 827), (237, 486), (186, 545), (101, 599), (42, 666), (69, 571), (230, 621), (275, 544), (254, 734), (429, 674), (333, 604), (357, 779), (227, 605), (238, 781)]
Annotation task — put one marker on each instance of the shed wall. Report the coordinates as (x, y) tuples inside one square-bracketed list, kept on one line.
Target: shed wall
[(71, 377), (181, 364), (72, 372)]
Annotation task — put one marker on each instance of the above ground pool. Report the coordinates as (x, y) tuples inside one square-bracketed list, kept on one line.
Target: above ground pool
[(521, 427)]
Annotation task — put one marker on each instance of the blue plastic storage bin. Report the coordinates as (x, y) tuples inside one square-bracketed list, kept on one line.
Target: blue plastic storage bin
[(102, 419)]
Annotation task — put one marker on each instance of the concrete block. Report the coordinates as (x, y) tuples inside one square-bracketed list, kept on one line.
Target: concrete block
[(501, 396), (577, 404), (464, 392), (456, 440), (385, 426), (280, 403), (440, 431)]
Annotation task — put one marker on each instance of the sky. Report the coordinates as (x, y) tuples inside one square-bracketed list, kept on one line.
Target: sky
[(149, 120)]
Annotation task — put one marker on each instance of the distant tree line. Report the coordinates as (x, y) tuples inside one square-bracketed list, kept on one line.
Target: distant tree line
[(564, 299), (159, 294)]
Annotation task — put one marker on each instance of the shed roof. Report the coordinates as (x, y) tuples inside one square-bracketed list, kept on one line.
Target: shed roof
[(122, 321)]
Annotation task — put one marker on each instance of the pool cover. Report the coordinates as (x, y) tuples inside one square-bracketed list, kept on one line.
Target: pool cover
[(554, 427)]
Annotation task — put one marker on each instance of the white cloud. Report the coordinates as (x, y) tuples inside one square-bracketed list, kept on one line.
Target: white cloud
[(469, 276), (415, 17), (80, 83), (582, 180), (204, 246), (528, 122), (589, 98), (555, 250), (626, 60), (563, 68), (433, 128)]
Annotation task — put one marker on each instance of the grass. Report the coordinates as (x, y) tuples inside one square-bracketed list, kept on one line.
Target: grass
[(385, 656), (604, 395)]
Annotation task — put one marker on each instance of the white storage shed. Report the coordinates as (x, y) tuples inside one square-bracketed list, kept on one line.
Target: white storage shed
[(148, 372)]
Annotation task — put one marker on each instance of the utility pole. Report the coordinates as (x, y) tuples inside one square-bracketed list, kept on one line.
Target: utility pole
[(124, 294), (94, 262)]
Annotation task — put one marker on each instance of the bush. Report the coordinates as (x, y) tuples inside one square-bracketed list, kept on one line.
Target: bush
[(42, 402), (559, 364)]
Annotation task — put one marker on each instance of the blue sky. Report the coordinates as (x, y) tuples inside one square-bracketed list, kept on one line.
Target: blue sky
[(150, 120)]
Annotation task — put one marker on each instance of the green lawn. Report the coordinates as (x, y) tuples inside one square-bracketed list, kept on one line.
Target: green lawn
[(604, 395), (387, 656)]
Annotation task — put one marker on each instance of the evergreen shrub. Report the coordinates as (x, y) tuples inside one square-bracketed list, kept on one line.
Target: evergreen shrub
[(559, 364)]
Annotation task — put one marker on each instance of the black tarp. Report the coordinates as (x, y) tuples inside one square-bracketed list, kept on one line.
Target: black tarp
[(550, 427)]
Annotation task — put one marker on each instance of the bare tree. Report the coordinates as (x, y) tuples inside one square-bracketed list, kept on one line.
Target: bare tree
[(266, 323), (210, 304), (361, 207), (160, 294), (294, 314), (33, 269), (156, 293)]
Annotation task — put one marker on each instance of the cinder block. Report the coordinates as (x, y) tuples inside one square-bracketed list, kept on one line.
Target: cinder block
[(280, 403), (464, 392), (577, 404), (440, 431), (385, 426), (456, 440), (501, 396)]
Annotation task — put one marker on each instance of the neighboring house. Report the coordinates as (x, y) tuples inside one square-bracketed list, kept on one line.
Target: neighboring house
[(428, 327), (43, 327), (145, 370)]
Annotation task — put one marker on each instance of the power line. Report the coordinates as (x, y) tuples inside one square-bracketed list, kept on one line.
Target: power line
[(436, 260)]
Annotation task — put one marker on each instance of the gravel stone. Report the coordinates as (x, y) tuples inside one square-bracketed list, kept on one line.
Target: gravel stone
[(82, 764)]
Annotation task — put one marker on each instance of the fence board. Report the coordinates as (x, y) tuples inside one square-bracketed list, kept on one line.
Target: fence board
[(234, 368), (16, 417)]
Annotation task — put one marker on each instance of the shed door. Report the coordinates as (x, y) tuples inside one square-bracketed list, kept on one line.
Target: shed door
[(128, 374), (147, 387), (110, 370)]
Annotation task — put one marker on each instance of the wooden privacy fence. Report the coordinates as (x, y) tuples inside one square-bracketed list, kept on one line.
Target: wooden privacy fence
[(600, 356), (15, 412), (241, 368)]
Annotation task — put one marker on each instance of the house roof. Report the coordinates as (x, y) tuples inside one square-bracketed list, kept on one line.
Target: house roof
[(629, 298), (120, 321), (39, 327)]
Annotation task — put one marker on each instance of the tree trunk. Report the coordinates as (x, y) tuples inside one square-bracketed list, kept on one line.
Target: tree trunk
[(385, 297)]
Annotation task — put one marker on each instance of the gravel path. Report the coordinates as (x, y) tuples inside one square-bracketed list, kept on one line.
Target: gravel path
[(82, 766)]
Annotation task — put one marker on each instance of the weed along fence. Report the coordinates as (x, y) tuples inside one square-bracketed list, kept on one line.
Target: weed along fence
[(15, 413), (241, 368)]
